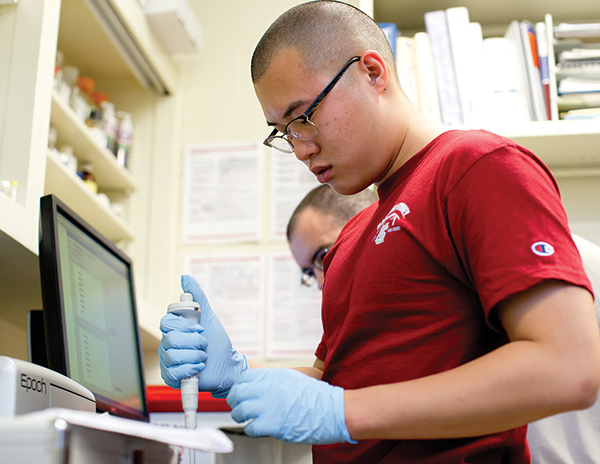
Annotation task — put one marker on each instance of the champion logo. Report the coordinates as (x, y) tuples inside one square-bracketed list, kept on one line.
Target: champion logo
[(389, 223), (542, 249)]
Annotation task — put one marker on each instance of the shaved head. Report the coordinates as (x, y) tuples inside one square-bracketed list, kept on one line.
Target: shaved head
[(325, 33)]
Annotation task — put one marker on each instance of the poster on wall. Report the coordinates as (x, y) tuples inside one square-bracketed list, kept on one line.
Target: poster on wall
[(290, 182), (258, 297), (234, 287), (222, 196), (293, 322)]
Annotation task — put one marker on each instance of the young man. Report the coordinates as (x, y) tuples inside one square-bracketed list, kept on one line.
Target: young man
[(316, 223), (455, 310)]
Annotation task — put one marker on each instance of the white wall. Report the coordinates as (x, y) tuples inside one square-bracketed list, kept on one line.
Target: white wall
[(217, 104)]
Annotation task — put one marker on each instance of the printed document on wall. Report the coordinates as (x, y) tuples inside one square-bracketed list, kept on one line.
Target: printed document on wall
[(290, 182), (222, 192), (294, 326), (234, 287)]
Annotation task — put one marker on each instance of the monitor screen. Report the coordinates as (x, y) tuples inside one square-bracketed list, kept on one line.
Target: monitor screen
[(89, 311)]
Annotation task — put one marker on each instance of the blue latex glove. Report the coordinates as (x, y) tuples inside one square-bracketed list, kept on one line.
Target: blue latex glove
[(181, 349), (211, 354), (290, 406)]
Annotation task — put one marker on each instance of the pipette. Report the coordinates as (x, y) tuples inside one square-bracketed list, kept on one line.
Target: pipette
[(188, 308)]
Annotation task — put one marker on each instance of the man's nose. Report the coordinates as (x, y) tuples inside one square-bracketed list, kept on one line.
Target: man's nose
[(304, 149)]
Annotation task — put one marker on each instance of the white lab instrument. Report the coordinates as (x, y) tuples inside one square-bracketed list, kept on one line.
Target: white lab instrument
[(27, 387), (188, 308)]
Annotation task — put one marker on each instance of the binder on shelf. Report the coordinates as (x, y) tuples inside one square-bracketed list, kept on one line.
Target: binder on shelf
[(406, 67), (552, 84), (428, 94), (466, 44), (521, 34), (533, 74), (436, 27), (506, 99), (542, 46)]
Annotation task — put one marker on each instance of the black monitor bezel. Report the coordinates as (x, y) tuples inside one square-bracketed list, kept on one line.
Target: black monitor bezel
[(53, 307)]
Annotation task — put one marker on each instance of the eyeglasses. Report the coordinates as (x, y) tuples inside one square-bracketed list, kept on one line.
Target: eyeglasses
[(308, 277), (302, 128)]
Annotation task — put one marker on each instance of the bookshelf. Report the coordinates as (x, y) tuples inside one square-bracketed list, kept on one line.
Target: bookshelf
[(568, 147), (74, 132), (30, 33), (494, 16)]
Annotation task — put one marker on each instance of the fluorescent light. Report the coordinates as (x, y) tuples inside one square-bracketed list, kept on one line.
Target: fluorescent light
[(129, 48)]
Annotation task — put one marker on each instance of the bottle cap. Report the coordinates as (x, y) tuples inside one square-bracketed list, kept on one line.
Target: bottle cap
[(86, 84), (186, 302)]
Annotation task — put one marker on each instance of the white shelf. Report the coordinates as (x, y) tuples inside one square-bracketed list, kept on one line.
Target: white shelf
[(71, 189), (561, 145), (72, 131)]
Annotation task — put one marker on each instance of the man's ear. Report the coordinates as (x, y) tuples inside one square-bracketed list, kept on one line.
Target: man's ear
[(376, 69)]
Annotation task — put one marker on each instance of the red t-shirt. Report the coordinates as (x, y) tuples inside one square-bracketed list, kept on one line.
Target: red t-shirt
[(412, 282)]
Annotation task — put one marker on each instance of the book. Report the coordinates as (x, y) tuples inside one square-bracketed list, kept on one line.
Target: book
[(574, 101), (478, 82), (585, 30), (579, 56), (505, 98), (552, 85), (405, 65), (436, 27), (584, 113), (532, 71), (578, 85), (457, 19), (425, 70), (466, 43), (542, 48), (521, 36)]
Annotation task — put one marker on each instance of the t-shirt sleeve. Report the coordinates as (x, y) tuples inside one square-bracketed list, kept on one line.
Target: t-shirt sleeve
[(509, 227)]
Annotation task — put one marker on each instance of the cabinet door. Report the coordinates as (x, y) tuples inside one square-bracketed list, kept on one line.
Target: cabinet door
[(28, 34)]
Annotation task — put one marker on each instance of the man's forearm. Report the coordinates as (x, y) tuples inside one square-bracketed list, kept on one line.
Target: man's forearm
[(475, 399)]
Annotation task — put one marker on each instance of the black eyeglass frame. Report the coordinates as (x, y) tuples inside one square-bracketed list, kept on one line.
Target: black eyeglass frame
[(305, 117), (308, 276)]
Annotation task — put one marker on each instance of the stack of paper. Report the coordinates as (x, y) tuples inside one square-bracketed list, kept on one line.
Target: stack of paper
[(578, 70)]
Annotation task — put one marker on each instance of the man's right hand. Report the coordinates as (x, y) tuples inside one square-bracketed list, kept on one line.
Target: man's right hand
[(205, 349)]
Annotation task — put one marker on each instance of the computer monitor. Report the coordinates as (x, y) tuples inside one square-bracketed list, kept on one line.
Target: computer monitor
[(89, 311)]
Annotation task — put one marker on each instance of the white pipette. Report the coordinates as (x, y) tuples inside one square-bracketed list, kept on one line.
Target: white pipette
[(188, 308)]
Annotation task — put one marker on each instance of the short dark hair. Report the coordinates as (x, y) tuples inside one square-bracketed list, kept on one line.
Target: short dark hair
[(326, 33), (325, 200)]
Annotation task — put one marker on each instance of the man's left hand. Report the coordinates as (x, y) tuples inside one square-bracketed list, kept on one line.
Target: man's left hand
[(290, 406)]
